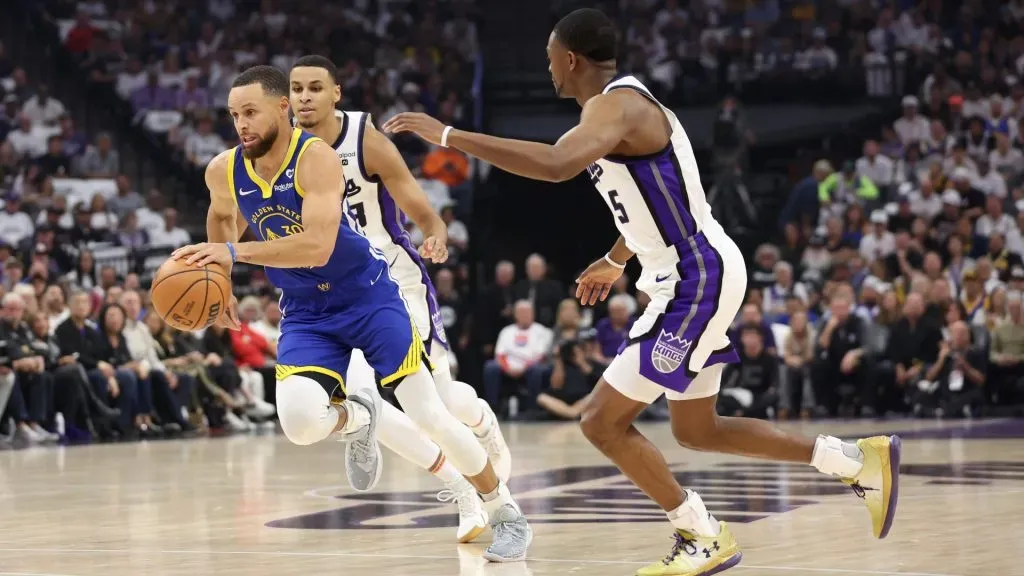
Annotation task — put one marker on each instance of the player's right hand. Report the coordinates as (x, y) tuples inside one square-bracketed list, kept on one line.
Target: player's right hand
[(596, 282), (229, 317)]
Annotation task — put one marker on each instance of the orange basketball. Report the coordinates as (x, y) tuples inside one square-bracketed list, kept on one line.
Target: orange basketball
[(187, 297)]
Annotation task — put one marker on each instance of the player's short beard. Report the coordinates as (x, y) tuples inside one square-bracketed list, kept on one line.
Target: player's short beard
[(266, 142), (309, 124)]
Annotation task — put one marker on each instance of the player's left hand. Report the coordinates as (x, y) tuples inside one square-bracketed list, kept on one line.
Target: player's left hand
[(596, 282), (418, 123), (434, 249), (200, 255)]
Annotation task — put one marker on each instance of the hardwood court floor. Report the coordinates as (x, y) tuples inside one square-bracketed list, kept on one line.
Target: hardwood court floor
[(256, 505)]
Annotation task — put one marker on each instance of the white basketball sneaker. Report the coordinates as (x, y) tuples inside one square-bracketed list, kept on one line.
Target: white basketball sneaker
[(494, 443), (472, 517)]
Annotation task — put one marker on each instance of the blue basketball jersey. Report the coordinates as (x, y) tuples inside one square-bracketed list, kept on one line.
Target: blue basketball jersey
[(350, 302), (274, 209)]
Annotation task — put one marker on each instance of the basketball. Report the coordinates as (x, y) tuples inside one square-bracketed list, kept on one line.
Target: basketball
[(187, 297)]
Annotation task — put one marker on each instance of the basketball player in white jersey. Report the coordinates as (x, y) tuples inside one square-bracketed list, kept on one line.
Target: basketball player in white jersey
[(378, 187), (642, 163)]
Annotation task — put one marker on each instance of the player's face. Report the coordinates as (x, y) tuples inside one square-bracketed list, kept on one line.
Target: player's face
[(313, 95), (258, 117), (559, 64)]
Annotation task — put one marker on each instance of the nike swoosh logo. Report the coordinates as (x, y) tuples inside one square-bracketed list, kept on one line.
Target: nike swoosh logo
[(660, 278), (392, 263), (245, 192), (377, 278)]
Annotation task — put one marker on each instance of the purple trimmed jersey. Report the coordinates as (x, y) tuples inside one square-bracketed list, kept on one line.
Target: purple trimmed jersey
[(692, 270), (371, 206)]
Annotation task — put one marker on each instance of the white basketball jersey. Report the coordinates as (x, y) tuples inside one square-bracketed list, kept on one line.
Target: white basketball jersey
[(374, 210), (657, 200)]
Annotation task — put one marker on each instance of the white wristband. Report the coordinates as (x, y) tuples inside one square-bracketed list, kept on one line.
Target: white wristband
[(609, 260), (444, 136)]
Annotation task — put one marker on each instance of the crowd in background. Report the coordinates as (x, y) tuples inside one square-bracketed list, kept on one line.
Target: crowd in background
[(174, 62), (895, 285)]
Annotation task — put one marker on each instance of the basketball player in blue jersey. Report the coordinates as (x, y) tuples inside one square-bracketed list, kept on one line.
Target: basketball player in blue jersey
[(640, 160), (337, 295), (379, 188)]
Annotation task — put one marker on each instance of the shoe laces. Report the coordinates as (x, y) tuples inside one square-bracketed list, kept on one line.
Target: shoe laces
[(858, 490), (461, 495), (490, 441), (681, 544), (361, 449)]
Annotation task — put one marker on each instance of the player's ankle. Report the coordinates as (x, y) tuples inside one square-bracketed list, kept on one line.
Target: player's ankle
[(694, 517), (837, 458), (356, 417), (497, 498)]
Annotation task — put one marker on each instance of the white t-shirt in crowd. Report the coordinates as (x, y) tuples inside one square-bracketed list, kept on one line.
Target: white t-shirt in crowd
[(175, 237), (203, 148), (873, 248), (15, 227), (519, 349), (43, 114)]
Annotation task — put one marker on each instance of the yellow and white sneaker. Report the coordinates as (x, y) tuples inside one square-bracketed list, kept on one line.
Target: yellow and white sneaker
[(878, 482), (694, 555)]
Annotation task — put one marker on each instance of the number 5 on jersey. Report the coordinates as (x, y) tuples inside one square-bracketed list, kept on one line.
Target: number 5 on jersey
[(620, 210)]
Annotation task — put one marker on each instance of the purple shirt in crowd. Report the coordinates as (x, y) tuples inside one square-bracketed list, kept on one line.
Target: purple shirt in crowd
[(153, 98), (609, 338)]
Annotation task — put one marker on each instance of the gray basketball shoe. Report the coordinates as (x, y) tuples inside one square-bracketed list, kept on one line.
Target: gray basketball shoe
[(362, 452), (512, 536)]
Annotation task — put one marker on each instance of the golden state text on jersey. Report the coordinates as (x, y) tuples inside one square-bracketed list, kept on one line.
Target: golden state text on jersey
[(273, 209)]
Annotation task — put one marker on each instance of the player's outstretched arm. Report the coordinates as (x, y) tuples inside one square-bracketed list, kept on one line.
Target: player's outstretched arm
[(384, 160), (603, 125), (319, 176)]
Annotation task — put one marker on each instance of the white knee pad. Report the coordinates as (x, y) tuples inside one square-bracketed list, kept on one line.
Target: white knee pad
[(460, 398), (305, 410)]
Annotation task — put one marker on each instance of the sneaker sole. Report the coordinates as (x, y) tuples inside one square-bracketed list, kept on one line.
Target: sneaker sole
[(501, 559), (472, 535), (895, 451)]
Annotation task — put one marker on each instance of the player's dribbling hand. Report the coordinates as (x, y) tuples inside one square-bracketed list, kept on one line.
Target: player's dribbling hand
[(434, 249), (200, 255), (596, 282), (229, 317), (418, 123)]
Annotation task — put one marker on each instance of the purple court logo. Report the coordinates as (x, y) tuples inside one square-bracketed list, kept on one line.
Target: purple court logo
[(743, 491), (669, 352)]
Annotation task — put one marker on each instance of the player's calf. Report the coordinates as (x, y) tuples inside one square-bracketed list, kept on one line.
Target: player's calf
[(418, 395), (308, 416)]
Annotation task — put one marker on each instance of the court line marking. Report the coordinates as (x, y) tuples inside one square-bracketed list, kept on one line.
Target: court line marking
[(423, 557)]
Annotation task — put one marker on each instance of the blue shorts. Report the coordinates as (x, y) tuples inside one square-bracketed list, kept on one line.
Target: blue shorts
[(320, 327)]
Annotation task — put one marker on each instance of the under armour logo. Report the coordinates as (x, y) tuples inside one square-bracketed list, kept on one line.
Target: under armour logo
[(707, 551)]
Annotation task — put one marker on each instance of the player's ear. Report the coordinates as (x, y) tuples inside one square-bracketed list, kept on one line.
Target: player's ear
[(337, 94), (572, 59), (284, 104)]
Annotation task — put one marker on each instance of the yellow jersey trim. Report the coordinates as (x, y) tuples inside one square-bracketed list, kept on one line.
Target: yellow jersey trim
[(267, 187), (231, 177), (282, 371), (298, 189), (414, 358)]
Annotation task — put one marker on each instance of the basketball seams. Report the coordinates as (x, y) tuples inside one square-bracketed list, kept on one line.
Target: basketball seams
[(183, 294), (208, 278), (206, 296), (172, 274)]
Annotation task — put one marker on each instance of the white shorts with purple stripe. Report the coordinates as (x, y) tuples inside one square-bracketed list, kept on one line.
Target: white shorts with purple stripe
[(420, 299), (678, 345)]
